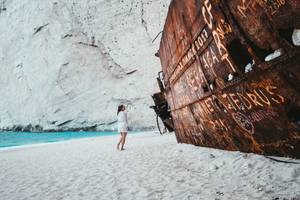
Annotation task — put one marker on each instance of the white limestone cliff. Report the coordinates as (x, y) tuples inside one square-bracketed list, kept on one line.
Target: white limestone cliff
[(69, 63)]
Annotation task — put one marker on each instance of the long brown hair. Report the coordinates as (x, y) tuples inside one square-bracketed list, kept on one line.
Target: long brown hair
[(120, 108)]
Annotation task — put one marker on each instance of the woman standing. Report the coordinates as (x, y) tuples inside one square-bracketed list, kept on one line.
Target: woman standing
[(122, 126)]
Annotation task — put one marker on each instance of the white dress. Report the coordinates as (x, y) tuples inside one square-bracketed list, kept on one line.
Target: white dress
[(122, 122)]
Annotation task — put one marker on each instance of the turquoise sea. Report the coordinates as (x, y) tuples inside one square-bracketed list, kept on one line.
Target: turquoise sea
[(10, 139)]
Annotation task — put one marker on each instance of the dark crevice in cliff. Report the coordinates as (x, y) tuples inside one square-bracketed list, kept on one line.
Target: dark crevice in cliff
[(87, 44), (111, 123), (19, 65), (67, 35), (38, 29), (3, 6), (131, 72), (58, 110), (144, 23), (64, 123)]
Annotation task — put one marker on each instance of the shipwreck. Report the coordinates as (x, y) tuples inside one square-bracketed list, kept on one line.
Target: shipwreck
[(231, 75)]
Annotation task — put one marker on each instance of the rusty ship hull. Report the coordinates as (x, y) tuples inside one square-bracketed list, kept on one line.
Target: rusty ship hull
[(222, 90)]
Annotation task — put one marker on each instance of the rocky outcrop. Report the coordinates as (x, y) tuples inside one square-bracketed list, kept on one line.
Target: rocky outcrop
[(68, 64)]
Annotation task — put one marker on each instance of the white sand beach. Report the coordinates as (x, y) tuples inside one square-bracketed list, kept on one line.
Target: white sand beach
[(151, 167)]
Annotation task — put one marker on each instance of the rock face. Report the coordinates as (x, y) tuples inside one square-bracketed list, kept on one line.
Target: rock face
[(67, 64)]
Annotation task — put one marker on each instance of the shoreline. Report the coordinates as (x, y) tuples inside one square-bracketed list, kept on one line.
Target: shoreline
[(41, 144)]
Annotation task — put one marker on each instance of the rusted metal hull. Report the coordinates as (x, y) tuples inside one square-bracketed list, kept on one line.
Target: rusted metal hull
[(216, 101)]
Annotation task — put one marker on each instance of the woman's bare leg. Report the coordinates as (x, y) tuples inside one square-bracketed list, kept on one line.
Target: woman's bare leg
[(124, 140), (120, 141)]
